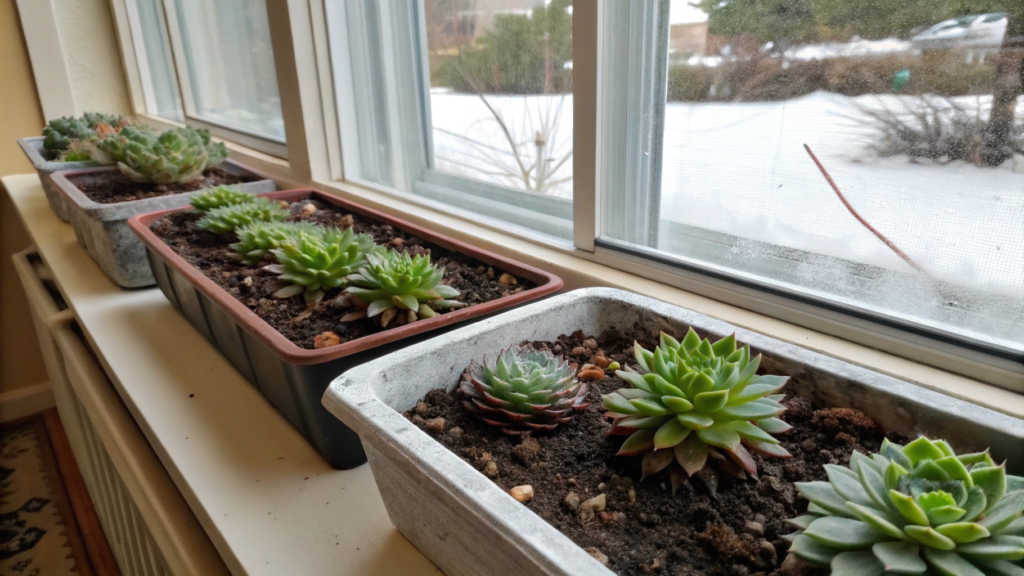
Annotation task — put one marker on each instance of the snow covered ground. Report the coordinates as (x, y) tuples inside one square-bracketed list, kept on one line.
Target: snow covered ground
[(740, 169)]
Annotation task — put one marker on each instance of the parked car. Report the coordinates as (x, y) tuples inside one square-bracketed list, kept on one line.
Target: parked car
[(978, 31)]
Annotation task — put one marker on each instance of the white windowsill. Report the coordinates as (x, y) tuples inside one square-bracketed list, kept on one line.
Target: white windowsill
[(270, 504)]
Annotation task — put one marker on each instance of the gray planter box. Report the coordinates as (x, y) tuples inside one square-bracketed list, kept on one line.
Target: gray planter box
[(33, 148), (103, 228), (467, 526)]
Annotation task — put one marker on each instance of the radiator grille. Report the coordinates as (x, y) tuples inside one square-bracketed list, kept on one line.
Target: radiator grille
[(133, 546)]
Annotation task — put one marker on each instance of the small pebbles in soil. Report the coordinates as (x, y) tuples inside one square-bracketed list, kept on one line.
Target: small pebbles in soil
[(640, 528)]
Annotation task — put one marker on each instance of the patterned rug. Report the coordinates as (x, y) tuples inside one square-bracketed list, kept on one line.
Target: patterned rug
[(38, 534)]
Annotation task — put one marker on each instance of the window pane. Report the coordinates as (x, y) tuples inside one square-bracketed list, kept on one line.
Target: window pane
[(912, 108), (156, 66), (230, 64), (501, 91), (464, 102)]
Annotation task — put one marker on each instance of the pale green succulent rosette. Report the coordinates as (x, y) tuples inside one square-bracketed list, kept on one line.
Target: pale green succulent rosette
[(176, 156), (229, 218), (396, 280), (256, 240), (219, 197), (313, 262), (527, 390), (914, 509), (696, 399)]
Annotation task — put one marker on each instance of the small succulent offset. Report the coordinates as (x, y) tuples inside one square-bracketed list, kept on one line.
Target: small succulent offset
[(59, 134), (914, 509), (179, 155), (312, 262), (229, 218), (257, 239), (395, 280), (527, 389), (696, 398), (219, 197)]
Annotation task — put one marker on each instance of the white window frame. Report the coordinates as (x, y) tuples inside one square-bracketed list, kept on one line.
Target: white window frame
[(312, 84), (130, 39)]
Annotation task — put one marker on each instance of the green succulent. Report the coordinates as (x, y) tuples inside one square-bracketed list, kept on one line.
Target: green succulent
[(696, 398), (59, 133), (526, 390), (312, 262), (257, 239), (229, 218), (115, 146), (219, 197), (396, 280), (94, 119), (179, 155), (914, 509), (216, 152)]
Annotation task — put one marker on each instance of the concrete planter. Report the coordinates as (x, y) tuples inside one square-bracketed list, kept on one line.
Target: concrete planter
[(33, 148), (103, 228), (293, 379), (468, 526)]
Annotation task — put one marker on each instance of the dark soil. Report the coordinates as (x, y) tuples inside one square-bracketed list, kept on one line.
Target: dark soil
[(301, 323), (645, 529), (111, 187)]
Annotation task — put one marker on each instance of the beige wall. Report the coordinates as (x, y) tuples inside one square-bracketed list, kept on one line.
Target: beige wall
[(89, 43), (20, 362)]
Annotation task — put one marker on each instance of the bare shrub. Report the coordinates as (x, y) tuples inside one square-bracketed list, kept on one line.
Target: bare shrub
[(934, 128)]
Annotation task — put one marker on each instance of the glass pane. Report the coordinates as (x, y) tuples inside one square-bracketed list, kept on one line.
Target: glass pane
[(463, 102), (913, 109), (501, 91), (230, 64), (156, 66)]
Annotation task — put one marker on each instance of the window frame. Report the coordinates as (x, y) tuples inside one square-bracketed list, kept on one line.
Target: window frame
[(318, 153), (131, 42)]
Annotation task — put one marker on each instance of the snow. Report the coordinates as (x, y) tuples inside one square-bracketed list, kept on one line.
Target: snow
[(854, 48), (740, 169)]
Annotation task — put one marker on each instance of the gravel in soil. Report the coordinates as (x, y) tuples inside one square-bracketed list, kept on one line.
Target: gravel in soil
[(111, 187), (645, 529), (292, 317)]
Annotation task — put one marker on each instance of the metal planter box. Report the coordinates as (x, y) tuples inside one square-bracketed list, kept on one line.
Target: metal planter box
[(103, 228), (293, 379), (33, 148), (468, 526)]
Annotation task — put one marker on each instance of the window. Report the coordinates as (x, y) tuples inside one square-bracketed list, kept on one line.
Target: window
[(855, 166), (465, 102), (847, 158), (211, 65)]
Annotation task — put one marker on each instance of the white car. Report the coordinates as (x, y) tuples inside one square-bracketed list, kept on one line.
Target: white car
[(979, 31)]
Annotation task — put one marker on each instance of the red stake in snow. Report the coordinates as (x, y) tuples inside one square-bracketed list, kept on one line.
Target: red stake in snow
[(842, 199)]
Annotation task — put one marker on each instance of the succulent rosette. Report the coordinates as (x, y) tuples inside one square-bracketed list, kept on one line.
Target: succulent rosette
[(395, 280), (227, 219), (914, 509), (526, 390), (312, 262), (219, 197), (694, 399), (256, 240)]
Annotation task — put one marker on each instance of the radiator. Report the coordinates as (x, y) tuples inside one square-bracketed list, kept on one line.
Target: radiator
[(148, 524)]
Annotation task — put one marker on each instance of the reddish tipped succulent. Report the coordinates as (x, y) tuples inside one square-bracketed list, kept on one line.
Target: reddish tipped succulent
[(527, 390)]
